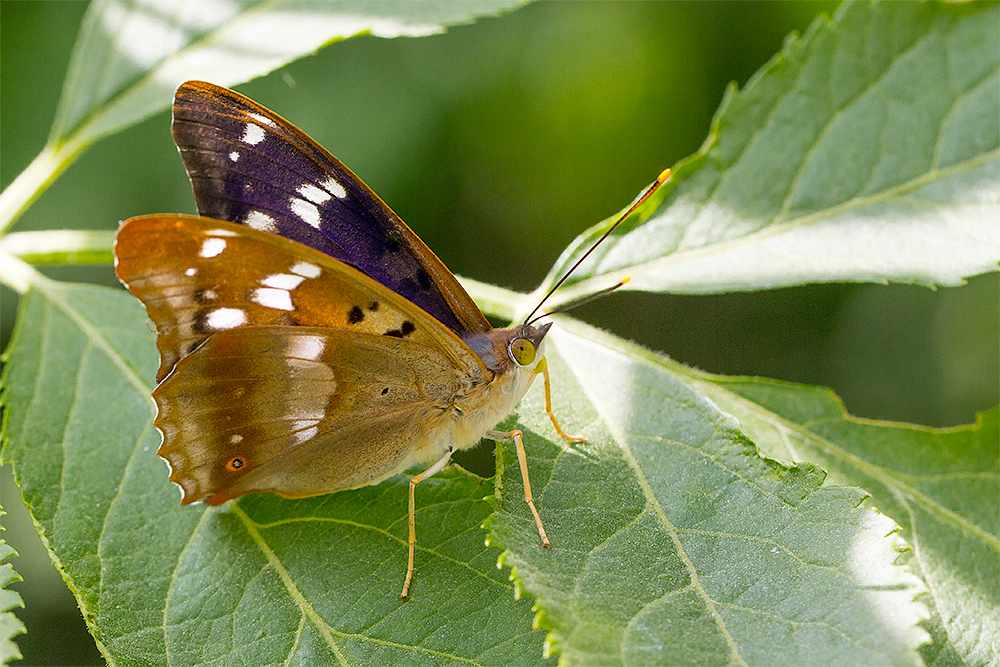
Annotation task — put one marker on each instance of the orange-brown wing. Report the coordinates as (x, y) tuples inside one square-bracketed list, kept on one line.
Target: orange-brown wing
[(300, 411), (198, 277)]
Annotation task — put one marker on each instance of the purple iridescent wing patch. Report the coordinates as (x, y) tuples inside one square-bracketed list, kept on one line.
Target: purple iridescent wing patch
[(250, 166)]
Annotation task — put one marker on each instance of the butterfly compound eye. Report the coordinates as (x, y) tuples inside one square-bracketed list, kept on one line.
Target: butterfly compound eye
[(522, 351)]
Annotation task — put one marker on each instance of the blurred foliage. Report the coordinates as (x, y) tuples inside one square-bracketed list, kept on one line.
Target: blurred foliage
[(498, 142)]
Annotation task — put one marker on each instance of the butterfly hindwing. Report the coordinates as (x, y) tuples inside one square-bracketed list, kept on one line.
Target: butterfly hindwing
[(198, 277), (250, 166), (299, 411)]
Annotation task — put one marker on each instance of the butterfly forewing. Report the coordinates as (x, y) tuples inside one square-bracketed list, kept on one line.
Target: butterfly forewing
[(250, 166), (198, 277), (299, 411)]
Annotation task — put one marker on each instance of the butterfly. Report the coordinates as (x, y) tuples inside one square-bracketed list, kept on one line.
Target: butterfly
[(309, 341)]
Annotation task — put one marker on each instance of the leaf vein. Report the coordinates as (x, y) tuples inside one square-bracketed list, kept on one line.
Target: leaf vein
[(386, 533), (804, 624), (878, 473), (173, 578), (845, 105)]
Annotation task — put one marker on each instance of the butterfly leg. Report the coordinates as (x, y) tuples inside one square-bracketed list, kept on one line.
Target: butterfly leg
[(522, 459), (412, 520), (548, 407)]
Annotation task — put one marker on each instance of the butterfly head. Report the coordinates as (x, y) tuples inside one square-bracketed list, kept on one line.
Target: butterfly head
[(519, 348), (524, 346)]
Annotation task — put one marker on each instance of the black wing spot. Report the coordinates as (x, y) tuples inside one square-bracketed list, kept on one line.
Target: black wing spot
[(200, 324), (355, 315), (424, 279), (204, 295), (373, 306), (385, 391), (392, 245), (406, 329)]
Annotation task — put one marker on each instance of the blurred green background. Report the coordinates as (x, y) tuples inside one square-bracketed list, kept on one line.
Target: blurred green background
[(498, 142)]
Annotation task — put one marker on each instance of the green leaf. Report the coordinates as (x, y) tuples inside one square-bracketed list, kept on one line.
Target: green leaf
[(10, 626), (672, 538), (673, 542), (943, 485), (258, 581), (868, 151), (131, 55)]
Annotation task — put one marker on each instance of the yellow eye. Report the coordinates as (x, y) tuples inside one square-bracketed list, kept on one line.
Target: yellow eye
[(522, 351)]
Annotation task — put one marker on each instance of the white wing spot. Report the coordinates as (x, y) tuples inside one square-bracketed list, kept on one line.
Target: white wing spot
[(235, 439), (263, 119), (285, 281), (278, 299), (212, 247), (314, 194), (209, 295), (305, 434), (253, 134), (306, 269), (306, 347), (190, 272), (234, 156), (260, 221), (332, 186), (305, 210), (226, 318)]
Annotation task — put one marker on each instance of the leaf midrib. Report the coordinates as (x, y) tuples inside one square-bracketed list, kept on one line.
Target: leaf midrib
[(88, 614), (879, 473), (848, 104), (598, 281), (695, 584)]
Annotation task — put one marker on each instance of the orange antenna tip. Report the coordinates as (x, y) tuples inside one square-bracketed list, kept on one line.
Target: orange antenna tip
[(625, 280), (643, 196)]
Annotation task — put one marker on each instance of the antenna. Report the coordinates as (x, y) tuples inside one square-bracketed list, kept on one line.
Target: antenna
[(643, 196), (582, 300)]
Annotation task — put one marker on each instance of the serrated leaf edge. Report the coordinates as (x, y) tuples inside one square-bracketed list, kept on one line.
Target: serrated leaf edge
[(8, 575)]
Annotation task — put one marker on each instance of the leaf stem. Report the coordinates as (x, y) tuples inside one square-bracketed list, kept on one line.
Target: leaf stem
[(61, 246), (17, 274), (497, 301), (36, 177)]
